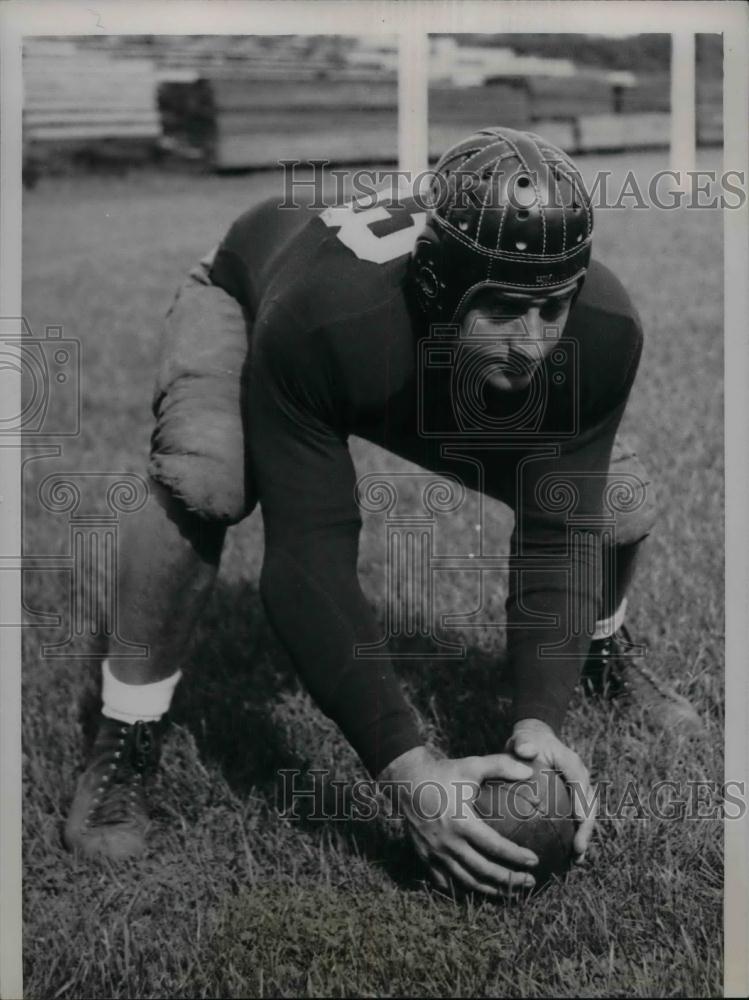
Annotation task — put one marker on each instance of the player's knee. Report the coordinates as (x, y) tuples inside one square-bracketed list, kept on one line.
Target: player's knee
[(636, 509), (203, 486), (198, 453), (198, 445)]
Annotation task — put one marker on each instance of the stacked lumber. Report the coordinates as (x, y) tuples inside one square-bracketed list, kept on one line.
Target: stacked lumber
[(256, 119), (259, 122), (650, 93), (611, 133), (653, 93), (562, 98)]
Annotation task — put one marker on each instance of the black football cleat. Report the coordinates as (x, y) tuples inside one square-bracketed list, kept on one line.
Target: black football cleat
[(109, 814), (616, 668)]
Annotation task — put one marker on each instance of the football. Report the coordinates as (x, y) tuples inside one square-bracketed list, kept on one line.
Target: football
[(535, 813)]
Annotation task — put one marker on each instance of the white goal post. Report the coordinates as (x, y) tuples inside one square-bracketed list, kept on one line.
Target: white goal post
[(413, 100), (683, 103)]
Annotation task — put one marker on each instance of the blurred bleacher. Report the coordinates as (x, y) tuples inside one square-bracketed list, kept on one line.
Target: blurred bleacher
[(248, 101), (80, 103)]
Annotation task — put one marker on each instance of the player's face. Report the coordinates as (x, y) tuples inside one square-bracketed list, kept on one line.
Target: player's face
[(514, 333)]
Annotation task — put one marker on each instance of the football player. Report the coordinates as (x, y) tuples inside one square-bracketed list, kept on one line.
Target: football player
[(304, 328)]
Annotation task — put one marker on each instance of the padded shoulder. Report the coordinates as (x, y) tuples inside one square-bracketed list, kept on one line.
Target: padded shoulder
[(602, 290), (247, 253), (607, 328)]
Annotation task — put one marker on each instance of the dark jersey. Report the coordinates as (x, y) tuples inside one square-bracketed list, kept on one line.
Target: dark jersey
[(338, 347)]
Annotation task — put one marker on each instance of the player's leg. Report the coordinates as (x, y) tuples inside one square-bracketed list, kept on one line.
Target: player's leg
[(169, 563), (630, 491), (171, 553), (617, 665)]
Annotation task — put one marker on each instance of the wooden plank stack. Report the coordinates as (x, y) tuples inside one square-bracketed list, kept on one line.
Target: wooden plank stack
[(260, 121), (562, 98), (252, 120), (616, 133)]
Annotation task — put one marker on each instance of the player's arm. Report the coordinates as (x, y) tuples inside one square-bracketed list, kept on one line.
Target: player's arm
[(304, 474), (555, 571), (555, 578), (552, 609), (311, 591)]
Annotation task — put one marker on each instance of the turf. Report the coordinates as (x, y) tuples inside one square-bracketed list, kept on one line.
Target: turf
[(237, 898)]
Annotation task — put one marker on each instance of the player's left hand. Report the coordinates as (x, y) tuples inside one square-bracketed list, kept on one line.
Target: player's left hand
[(532, 738)]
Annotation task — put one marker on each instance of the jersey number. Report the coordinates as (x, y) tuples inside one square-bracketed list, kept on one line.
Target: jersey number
[(354, 232)]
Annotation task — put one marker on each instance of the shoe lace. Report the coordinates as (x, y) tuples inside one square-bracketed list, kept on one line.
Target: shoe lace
[(127, 760)]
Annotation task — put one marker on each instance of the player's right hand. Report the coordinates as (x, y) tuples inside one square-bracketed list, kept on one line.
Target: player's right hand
[(531, 739), (433, 795)]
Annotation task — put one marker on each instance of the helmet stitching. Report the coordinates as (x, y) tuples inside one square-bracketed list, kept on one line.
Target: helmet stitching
[(558, 161), (535, 188), (508, 254), (514, 284), (483, 208), (576, 181), (500, 227), (445, 225), (460, 155), (495, 164), (468, 292), (500, 159), (466, 163), (558, 191)]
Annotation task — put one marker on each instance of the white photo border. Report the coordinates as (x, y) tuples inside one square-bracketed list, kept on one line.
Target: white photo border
[(19, 18)]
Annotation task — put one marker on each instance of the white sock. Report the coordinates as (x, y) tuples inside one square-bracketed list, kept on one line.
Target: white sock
[(606, 627), (136, 702)]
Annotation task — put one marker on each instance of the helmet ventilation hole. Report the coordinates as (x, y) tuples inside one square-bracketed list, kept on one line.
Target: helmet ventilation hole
[(524, 181), (521, 246), (523, 213)]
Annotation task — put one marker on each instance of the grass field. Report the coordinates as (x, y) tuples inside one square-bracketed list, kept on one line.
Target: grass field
[(235, 899)]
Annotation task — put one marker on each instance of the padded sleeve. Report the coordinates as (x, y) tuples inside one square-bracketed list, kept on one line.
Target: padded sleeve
[(198, 443)]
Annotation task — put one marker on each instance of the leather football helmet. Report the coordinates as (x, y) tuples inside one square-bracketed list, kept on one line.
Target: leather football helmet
[(507, 209)]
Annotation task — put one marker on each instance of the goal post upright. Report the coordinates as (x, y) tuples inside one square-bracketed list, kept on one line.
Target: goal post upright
[(683, 100), (413, 90)]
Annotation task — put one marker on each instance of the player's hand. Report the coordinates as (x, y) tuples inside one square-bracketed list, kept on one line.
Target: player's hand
[(532, 738), (433, 795)]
